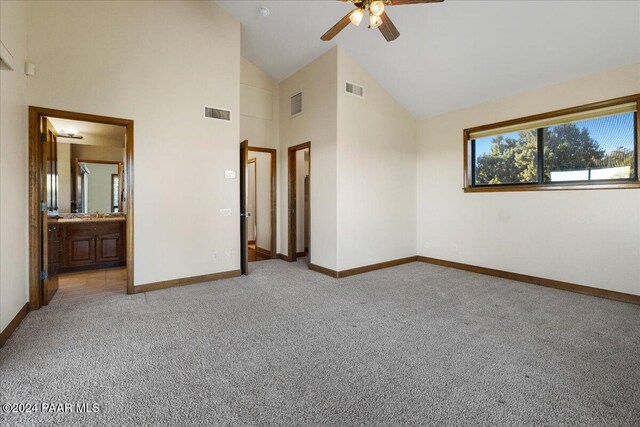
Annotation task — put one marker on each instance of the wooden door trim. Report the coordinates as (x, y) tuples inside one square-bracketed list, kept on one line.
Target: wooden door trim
[(35, 226), (244, 238), (291, 156), (274, 158)]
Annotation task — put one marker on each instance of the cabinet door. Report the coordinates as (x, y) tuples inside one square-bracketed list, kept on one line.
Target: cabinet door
[(80, 250), (109, 247)]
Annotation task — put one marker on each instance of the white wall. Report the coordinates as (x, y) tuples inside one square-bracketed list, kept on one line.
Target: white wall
[(13, 164), (376, 172), (157, 63), (585, 237), (317, 124)]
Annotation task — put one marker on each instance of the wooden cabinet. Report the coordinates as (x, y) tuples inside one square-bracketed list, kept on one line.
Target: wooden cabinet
[(109, 247), (89, 245)]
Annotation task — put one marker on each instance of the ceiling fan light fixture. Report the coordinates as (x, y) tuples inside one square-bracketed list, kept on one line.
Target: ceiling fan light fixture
[(356, 16), (374, 21), (376, 7)]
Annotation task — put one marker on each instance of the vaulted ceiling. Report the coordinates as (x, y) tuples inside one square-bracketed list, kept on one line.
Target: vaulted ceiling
[(452, 54)]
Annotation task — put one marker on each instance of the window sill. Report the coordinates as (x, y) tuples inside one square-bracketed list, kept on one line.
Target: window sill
[(554, 187)]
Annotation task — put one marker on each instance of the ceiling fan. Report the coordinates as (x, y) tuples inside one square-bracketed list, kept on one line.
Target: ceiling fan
[(378, 18)]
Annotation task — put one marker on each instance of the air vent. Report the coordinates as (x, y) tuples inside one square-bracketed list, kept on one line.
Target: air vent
[(354, 89), (296, 104), (217, 113)]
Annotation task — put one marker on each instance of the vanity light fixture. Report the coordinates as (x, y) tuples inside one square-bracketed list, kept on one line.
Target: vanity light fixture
[(69, 133)]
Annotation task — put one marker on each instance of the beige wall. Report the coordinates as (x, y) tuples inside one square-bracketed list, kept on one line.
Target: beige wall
[(376, 172), (157, 63), (13, 164), (317, 124), (93, 152), (259, 107), (586, 237)]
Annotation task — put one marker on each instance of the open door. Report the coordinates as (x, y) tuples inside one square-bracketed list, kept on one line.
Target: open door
[(244, 238), (49, 203)]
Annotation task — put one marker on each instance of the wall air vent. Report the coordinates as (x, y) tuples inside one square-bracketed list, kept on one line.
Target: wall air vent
[(296, 104), (217, 113), (354, 89)]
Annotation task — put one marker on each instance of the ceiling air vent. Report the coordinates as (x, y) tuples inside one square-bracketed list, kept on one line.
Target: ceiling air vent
[(296, 104), (217, 113), (354, 89)]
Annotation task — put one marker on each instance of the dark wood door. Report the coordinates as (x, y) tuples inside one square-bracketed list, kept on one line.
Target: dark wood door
[(244, 238), (49, 204), (55, 249)]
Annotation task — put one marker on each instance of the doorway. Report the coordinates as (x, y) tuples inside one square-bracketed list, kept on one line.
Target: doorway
[(299, 162), (257, 204), (80, 205)]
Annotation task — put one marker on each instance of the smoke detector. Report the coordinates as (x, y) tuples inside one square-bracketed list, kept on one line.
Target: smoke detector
[(264, 11)]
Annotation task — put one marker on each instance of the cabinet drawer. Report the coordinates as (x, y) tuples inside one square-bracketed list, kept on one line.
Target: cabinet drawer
[(93, 228)]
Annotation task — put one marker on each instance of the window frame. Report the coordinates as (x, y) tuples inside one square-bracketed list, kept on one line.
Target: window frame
[(469, 153)]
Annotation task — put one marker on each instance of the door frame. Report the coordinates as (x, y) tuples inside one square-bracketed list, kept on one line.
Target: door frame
[(292, 197), (35, 215), (274, 153)]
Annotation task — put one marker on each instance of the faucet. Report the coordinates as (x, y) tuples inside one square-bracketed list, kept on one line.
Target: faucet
[(97, 214)]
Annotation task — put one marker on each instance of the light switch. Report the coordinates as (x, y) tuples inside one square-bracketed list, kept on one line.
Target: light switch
[(230, 174), (225, 212)]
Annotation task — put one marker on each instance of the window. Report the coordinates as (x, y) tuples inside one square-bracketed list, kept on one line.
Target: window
[(593, 146)]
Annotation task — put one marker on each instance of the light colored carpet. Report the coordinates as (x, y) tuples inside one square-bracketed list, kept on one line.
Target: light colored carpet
[(411, 345)]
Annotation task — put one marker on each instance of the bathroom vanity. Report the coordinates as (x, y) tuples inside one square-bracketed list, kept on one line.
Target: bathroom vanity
[(86, 243)]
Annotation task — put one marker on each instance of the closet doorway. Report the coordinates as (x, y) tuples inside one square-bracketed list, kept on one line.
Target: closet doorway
[(299, 160)]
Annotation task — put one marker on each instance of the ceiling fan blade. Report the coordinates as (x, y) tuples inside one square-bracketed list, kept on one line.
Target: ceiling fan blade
[(340, 25), (388, 30), (402, 2)]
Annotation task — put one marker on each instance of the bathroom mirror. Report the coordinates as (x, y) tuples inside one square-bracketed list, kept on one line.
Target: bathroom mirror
[(97, 188)]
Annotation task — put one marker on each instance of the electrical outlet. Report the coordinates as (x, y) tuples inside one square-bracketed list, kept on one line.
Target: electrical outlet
[(215, 255), (225, 212), (229, 254)]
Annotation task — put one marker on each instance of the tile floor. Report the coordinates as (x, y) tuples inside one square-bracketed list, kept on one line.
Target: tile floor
[(90, 285)]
